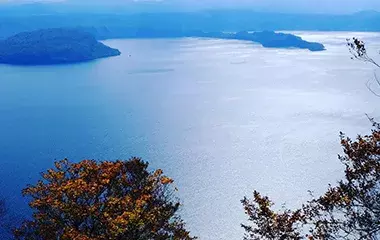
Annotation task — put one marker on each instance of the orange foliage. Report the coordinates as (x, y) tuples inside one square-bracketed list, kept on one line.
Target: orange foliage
[(103, 201), (348, 210)]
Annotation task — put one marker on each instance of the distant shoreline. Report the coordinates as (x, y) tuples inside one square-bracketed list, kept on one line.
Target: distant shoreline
[(268, 39)]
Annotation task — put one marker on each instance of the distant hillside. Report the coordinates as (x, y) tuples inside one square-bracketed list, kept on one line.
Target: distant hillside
[(271, 39), (119, 23), (268, 39), (52, 46)]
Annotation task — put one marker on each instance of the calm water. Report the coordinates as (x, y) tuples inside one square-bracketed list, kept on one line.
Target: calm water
[(220, 117)]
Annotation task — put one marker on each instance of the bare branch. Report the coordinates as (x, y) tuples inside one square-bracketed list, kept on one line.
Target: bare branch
[(358, 50), (369, 86)]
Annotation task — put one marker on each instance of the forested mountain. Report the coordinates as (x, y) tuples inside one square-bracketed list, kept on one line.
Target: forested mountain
[(52, 46)]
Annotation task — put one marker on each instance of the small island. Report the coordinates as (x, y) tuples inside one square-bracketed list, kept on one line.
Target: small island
[(267, 39), (53, 46), (270, 39)]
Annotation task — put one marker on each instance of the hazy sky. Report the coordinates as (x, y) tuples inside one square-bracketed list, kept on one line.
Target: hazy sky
[(328, 6)]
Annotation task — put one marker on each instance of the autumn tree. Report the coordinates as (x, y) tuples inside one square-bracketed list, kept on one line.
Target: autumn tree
[(103, 201), (348, 210), (351, 210), (269, 224)]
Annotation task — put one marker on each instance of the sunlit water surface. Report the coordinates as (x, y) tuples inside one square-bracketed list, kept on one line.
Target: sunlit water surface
[(221, 117)]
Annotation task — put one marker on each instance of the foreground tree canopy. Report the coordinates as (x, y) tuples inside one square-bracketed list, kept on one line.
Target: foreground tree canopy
[(349, 210), (103, 201)]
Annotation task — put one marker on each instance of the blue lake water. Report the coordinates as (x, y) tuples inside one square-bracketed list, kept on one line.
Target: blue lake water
[(221, 117)]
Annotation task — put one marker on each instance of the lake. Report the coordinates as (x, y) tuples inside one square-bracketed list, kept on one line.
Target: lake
[(220, 117)]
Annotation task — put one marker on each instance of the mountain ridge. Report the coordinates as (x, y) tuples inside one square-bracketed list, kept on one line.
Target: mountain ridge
[(14, 21)]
